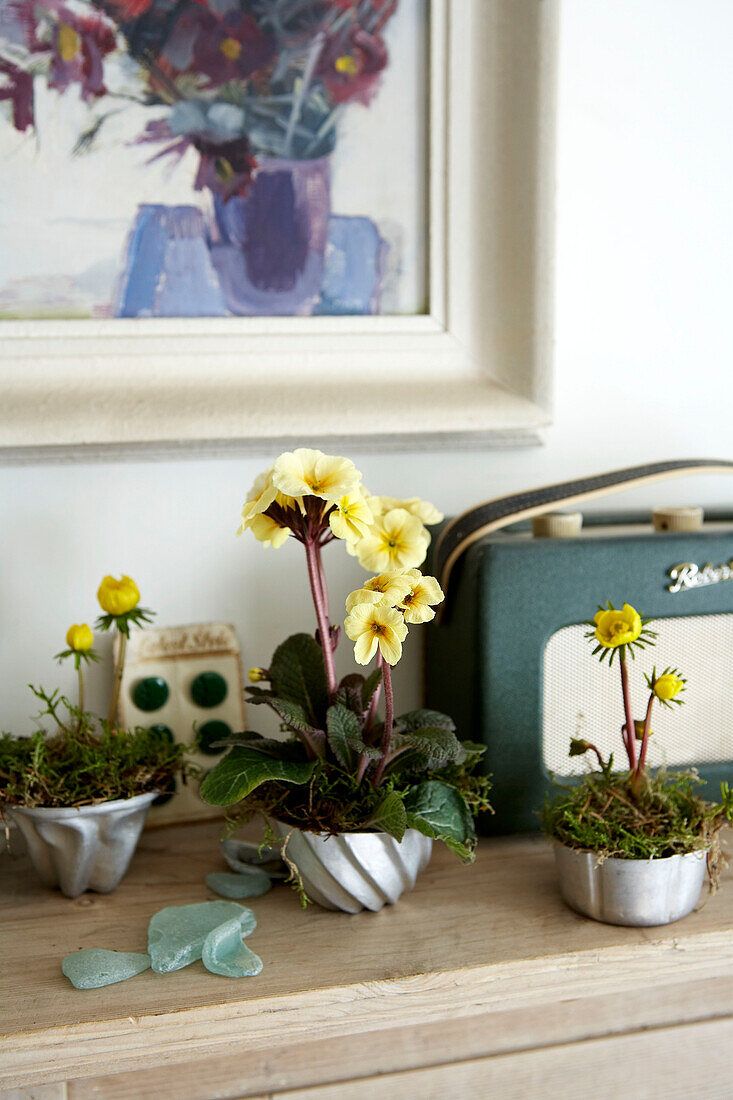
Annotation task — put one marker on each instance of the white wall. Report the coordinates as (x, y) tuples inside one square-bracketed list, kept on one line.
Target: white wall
[(644, 362)]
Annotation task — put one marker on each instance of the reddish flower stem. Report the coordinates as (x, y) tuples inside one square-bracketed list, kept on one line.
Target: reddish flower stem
[(388, 721), (369, 723), (630, 729), (315, 576), (645, 739)]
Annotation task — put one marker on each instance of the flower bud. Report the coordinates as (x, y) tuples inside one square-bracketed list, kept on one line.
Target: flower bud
[(79, 638), (257, 675), (117, 597), (667, 686)]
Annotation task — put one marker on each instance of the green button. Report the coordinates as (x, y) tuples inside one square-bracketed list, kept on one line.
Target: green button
[(210, 732), (164, 731), (150, 693), (167, 794), (209, 689)]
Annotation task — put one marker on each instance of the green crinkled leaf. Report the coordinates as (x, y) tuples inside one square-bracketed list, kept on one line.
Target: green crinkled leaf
[(297, 674), (349, 693), (474, 752), (268, 746), (370, 686), (243, 769), (434, 746), (390, 816), (344, 734), (440, 811), (420, 719)]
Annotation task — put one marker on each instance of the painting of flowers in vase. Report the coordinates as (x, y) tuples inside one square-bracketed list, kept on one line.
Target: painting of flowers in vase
[(213, 158)]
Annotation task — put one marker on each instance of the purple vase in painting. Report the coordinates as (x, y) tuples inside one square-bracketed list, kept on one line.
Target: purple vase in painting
[(268, 246)]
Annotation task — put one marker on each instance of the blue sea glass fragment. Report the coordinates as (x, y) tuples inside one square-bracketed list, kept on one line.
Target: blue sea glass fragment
[(225, 954), (249, 883), (176, 934), (94, 967)]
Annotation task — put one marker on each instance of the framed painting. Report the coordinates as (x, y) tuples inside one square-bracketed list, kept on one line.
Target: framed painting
[(235, 220)]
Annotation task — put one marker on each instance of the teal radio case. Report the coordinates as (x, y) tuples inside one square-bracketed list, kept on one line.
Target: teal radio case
[(509, 594)]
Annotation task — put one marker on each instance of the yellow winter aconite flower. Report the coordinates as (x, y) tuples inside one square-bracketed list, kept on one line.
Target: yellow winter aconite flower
[(267, 531), (390, 588), (116, 597), (424, 593), (396, 541), (79, 638), (615, 628), (304, 472), (351, 518), (376, 625), (425, 512), (667, 686)]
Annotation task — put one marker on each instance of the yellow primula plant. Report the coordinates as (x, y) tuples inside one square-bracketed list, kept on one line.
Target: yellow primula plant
[(343, 768)]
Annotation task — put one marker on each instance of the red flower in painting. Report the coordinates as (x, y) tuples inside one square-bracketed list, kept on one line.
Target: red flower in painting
[(130, 9), (80, 44), (16, 86), (232, 47), (351, 64)]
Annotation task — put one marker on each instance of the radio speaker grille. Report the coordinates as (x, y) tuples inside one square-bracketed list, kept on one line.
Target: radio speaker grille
[(582, 698)]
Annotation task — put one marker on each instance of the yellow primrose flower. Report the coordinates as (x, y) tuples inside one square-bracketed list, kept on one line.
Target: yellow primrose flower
[(261, 496), (667, 686), (425, 512), (118, 597), (268, 532), (424, 591), (390, 588), (351, 518), (304, 472), (79, 638), (396, 541), (257, 675), (615, 628), (372, 625)]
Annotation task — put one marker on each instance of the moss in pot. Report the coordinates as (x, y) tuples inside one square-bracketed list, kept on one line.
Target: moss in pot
[(632, 846), (80, 794)]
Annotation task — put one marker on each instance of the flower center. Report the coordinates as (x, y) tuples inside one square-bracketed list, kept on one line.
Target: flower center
[(346, 65), (231, 49), (68, 42), (619, 627), (377, 629)]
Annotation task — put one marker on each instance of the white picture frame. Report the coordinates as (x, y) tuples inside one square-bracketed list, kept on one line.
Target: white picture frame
[(477, 367)]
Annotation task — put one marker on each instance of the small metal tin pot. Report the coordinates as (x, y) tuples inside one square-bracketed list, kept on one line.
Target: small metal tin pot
[(89, 848), (355, 871), (640, 892)]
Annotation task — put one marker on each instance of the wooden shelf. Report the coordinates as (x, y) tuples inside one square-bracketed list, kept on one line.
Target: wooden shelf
[(482, 966)]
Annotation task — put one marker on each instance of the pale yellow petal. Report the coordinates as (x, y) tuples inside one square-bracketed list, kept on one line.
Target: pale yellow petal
[(362, 596), (365, 648), (390, 647)]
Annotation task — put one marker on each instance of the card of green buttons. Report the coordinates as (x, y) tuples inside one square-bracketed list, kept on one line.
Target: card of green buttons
[(151, 693), (209, 689), (211, 732)]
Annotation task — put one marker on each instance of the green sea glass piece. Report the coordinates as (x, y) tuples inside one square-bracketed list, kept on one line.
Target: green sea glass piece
[(209, 689), (225, 954), (93, 967), (150, 693), (210, 732), (176, 934), (246, 884)]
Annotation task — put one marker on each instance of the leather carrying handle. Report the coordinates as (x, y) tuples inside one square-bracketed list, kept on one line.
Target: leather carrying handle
[(483, 519)]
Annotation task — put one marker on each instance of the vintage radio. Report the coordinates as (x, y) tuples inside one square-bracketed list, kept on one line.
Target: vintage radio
[(508, 658)]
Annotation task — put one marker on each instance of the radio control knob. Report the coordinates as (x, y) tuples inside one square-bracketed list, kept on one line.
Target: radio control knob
[(685, 518), (557, 525)]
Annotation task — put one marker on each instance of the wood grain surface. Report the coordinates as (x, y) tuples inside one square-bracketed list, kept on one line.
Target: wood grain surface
[(478, 962)]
